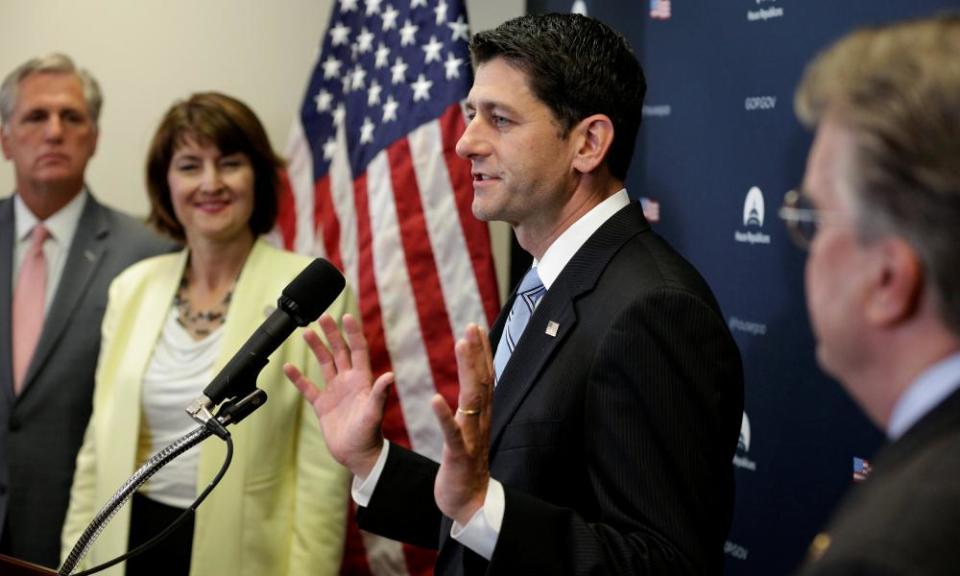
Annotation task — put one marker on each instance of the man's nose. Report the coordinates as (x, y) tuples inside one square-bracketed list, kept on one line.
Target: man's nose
[(476, 138)]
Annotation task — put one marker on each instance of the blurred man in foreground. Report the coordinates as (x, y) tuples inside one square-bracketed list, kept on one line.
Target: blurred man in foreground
[(880, 211)]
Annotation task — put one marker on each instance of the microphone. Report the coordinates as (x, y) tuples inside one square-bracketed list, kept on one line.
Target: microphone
[(301, 302)]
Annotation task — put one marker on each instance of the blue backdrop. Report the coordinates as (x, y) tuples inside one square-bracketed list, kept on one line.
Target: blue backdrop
[(718, 149)]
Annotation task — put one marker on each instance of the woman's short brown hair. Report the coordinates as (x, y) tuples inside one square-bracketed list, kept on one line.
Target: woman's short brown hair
[(230, 125)]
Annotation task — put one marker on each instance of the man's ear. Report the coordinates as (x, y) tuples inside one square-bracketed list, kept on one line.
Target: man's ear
[(595, 135), (897, 283)]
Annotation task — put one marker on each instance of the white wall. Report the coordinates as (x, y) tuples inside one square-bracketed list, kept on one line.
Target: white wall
[(148, 53)]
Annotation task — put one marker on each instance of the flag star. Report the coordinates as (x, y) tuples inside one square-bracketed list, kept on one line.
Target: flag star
[(331, 67), (348, 5), (373, 6), (373, 94), (416, 3), (323, 100), (365, 40), (421, 88), (345, 83), (389, 18), (399, 71), (452, 66), (441, 12), (390, 109), (431, 50), (339, 34), (329, 147), (383, 55), (459, 29), (408, 33), (357, 77), (366, 131), (339, 113)]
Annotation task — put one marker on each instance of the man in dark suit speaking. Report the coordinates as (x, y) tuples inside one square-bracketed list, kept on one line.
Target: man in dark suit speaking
[(599, 437), (880, 212), (59, 250)]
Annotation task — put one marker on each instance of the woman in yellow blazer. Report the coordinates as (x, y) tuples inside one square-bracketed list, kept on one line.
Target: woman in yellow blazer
[(172, 323)]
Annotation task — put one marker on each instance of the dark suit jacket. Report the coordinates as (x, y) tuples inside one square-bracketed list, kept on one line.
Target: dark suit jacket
[(613, 438), (904, 519), (41, 430)]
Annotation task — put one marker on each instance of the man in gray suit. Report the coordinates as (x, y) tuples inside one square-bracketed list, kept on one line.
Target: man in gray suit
[(59, 251), (880, 212)]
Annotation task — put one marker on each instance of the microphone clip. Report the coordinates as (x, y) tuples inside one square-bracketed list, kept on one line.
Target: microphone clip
[(231, 412)]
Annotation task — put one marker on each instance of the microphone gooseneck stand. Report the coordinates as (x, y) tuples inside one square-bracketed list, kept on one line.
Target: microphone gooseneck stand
[(231, 412)]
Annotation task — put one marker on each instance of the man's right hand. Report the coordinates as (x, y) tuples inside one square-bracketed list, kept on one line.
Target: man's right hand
[(350, 407)]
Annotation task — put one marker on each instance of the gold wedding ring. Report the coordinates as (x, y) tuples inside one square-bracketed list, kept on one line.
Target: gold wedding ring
[(468, 412)]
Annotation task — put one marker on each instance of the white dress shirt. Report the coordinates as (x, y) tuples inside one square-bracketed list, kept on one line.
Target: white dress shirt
[(929, 389), (481, 532)]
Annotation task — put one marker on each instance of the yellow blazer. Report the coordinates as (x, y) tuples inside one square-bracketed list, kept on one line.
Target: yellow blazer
[(281, 508)]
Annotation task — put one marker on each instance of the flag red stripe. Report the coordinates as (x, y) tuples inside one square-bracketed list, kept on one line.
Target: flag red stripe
[(325, 220), (286, 210), (476, 233), (371, 316)]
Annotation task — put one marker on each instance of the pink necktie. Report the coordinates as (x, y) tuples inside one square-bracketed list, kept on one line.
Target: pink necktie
[(28, 299)]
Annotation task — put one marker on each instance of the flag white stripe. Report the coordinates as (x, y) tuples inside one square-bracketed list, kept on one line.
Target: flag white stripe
[(341, 191), (300, 172), (401, 325), (454, 266), (384, 556)]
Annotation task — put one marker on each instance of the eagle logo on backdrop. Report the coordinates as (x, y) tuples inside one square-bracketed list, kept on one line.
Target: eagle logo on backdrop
[(753, 215), (753, 208), (743, 444), (740, 459)]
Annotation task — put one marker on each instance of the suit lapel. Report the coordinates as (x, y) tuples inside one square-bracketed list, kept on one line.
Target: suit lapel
[(556, 315), (83, 260), (7, 228)]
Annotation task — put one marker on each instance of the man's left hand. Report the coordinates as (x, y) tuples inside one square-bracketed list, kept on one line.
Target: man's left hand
[(461, 484)]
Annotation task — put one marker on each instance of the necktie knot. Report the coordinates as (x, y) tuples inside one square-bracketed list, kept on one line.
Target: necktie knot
[(38, 236)]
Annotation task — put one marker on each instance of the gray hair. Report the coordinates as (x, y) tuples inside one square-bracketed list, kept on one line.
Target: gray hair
[(897, 88), (50, 64)]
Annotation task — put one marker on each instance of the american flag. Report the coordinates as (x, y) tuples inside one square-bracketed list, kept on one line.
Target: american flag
[(660, 9), (651, 209), (861, 469), (377, 189)]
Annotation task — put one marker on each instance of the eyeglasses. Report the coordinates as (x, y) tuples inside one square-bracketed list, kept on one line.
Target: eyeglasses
[(802, 219)]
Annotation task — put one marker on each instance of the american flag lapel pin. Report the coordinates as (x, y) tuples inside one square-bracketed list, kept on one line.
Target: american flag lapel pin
[(552, 328)]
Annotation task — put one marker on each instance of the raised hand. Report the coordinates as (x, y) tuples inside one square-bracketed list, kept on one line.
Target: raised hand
[(350, 407), (461, 483)]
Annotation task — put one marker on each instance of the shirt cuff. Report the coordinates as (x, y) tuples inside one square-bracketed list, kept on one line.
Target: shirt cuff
[(362, 488), (482, 531)]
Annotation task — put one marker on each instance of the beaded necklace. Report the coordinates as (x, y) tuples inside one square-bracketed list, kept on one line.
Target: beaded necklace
[(200, 323)]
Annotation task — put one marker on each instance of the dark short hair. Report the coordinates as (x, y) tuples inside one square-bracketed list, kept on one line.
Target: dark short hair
[(230, 125), (577, 66)]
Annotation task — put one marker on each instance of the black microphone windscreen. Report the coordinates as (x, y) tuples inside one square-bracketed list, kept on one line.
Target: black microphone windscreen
[(312, 291)]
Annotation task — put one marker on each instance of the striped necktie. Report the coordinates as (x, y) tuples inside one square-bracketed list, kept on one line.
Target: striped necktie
[(528, 294)]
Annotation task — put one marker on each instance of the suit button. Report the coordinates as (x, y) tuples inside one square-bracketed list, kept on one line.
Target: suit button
[(14, 424)]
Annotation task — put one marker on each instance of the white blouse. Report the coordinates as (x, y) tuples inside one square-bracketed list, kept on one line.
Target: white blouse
[(179, 370)]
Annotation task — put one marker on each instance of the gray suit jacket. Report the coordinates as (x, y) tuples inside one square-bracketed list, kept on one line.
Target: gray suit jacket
[(41, 430), (904, 520)]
